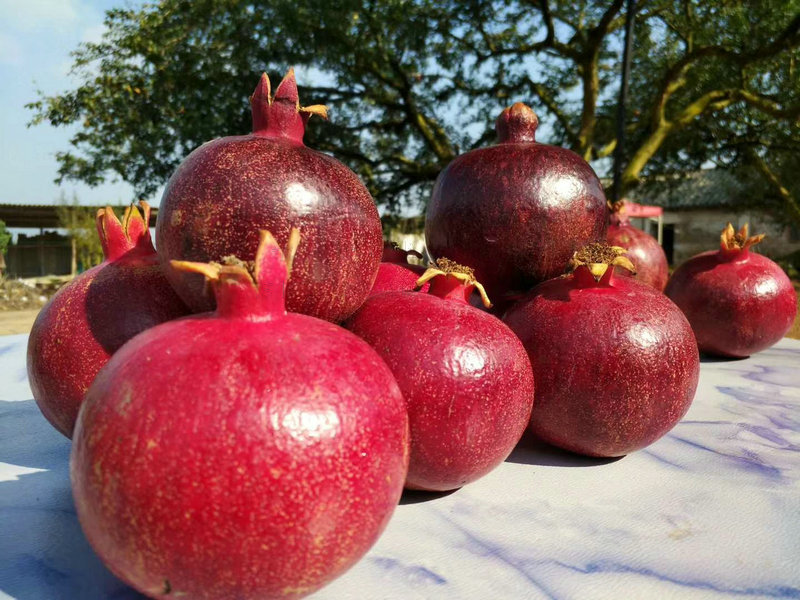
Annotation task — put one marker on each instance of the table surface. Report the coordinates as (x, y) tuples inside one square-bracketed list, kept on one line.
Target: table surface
[(712, 510)]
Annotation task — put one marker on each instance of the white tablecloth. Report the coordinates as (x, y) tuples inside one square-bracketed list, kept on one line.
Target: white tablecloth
[(712, 510)]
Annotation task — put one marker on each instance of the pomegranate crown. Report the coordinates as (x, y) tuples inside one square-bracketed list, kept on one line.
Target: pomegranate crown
[(120, 237), (451, 280), (281, 115), (250, 289), (596, 258), (738, 241), (517, 124)]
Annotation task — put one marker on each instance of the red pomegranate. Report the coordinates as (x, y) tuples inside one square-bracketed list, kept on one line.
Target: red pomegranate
[(464, 375), (737, 301), (516, 211), (229, 188), (97, 312), (615, 362), (643, 249), (248, 453), (395, 273)]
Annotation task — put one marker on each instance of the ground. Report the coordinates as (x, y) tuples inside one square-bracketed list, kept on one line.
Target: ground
[(16, 321)]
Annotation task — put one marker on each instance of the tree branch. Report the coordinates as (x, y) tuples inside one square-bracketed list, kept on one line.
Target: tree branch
[(768, 105), (714, 100), (783, 192), (674, 78)]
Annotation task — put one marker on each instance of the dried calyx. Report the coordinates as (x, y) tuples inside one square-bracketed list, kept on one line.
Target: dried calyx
[(447, 277), (598, 257), (735, 241), (254, 287)]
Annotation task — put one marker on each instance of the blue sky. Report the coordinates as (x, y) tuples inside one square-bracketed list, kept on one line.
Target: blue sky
[(36, 38)]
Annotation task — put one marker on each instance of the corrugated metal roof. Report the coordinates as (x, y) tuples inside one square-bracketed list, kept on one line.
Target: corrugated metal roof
[(45, 216), (711, 188)]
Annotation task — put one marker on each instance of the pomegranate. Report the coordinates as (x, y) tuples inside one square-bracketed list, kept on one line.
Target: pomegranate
[(615, 362), (246, 453), (516, 211), (644, 251), (228, 188), (97, 312), (737, 301), (395, 273), (464, 375)]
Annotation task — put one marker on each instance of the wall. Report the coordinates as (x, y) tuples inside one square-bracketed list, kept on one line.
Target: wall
[(36, 256), (698, 230)]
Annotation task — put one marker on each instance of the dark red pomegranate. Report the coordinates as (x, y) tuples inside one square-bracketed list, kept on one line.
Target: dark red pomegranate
[(644, 251), (229, 188), (395, 273), (615, 362), (737, 301), (517, 211), (92, 316), (465, 377), (247, 453)]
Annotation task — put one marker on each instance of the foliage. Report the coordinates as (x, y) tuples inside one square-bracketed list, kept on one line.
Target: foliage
[(411, 83), (81, 228), (5, 237)]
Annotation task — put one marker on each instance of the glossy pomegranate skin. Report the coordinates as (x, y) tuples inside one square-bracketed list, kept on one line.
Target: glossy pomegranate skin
[(616, 367), (229, 188), (516, 211), (88, 320), (395, 273), (644, 251), (738, 304), (393, 277), (246, 456), (465, 378)]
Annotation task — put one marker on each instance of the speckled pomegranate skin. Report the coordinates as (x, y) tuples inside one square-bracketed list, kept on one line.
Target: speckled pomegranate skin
[(644, 252), (515, 212), (615, 367), (86, 322), (395, 277), (237, 459), (465, 378), (738, 305), (228, 189)]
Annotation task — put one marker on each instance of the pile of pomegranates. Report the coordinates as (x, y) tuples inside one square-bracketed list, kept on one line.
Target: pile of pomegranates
[(257, 449)]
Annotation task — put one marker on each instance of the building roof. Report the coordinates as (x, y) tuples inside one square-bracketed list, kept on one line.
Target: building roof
[(45, 216), (708, 188)]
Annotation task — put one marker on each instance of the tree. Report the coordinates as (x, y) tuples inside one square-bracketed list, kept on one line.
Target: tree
[(87, 251), (5, 239), (411, 83)]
